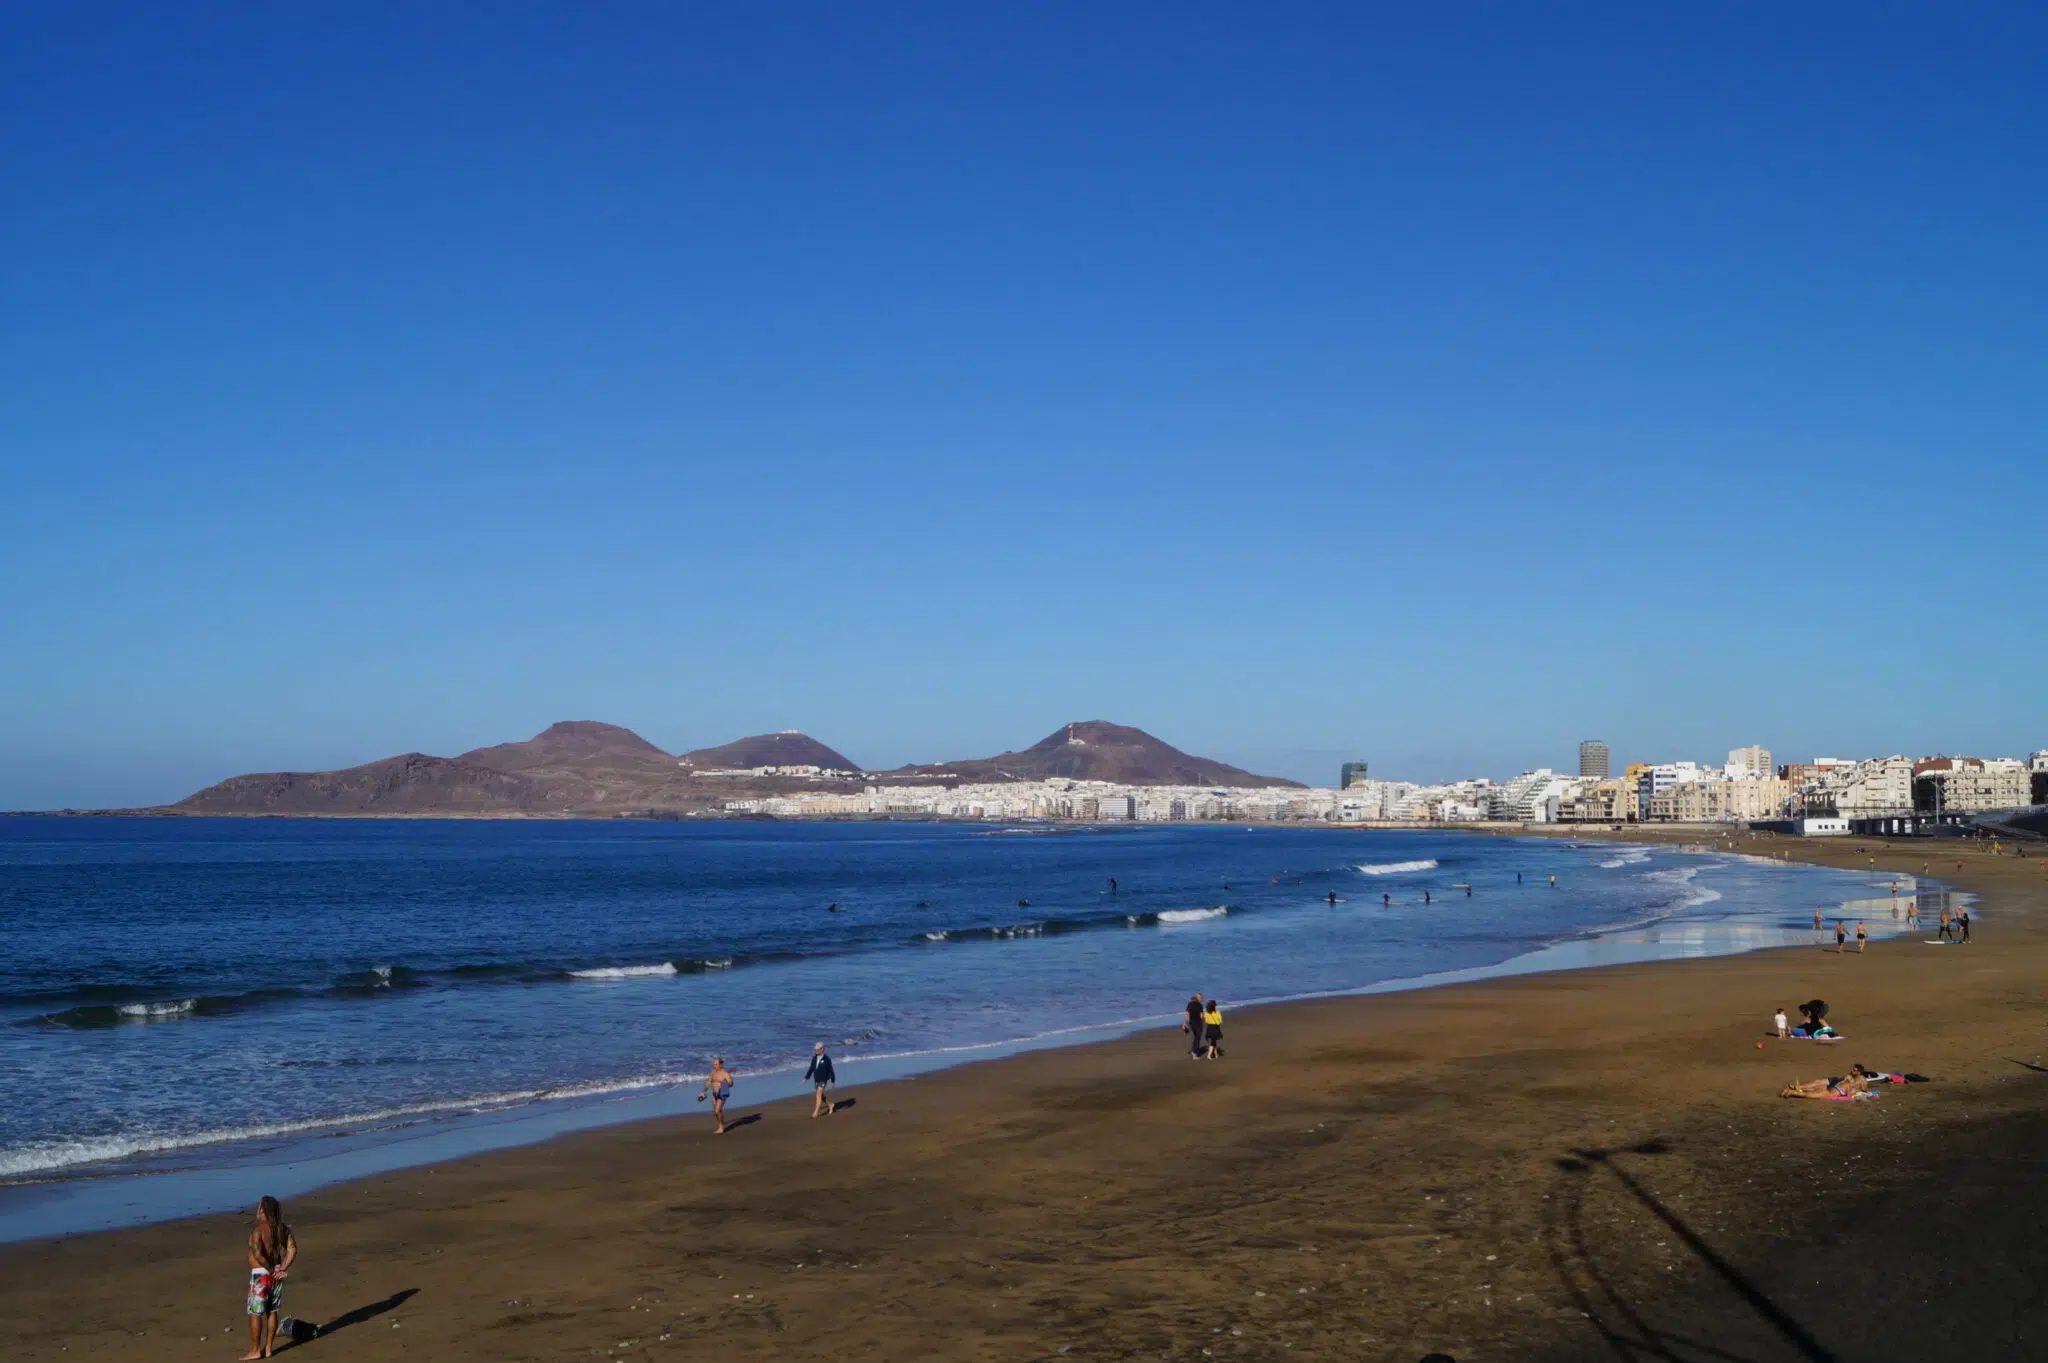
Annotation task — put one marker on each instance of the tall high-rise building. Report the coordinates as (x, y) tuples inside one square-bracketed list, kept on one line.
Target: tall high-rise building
[(1350, 774), (1593, 759)]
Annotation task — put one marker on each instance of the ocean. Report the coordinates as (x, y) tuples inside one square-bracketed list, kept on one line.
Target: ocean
[(188, 1005)]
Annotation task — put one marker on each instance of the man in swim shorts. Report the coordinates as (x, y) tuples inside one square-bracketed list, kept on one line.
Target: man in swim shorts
[(1193, 1027), (719, 1087)]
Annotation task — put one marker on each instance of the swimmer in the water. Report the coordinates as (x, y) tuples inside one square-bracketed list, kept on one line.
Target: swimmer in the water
[(833, 907), (1023, 903)]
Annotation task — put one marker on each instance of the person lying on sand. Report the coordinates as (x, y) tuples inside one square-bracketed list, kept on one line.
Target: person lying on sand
[(1845, 1089), (1887, 1076)]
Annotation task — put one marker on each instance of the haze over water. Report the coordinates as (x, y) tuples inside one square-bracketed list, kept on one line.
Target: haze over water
[(180, 985)]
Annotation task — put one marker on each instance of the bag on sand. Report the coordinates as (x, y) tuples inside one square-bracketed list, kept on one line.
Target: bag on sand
[(298, 1331)]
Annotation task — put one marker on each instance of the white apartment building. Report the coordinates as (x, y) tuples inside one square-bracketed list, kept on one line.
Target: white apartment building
[(1878, 785), (1659, 779), (1532, 797), (1968, 784)]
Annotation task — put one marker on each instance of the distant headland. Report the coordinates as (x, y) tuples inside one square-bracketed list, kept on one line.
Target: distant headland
[(583, 769)]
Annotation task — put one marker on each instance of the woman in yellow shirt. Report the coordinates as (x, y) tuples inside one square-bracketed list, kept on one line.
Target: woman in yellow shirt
[(1212, 1030)]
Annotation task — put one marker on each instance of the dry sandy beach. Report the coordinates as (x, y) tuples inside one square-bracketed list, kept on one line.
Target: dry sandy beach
[(1586, 1165)]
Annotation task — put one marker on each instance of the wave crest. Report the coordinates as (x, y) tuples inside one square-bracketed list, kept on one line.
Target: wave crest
[(1395, 868)]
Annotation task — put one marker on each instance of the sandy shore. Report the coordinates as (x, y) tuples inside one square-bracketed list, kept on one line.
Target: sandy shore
[(1583, 1165)]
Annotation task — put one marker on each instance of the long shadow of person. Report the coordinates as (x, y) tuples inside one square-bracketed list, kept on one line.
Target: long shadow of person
[(361, 1314)]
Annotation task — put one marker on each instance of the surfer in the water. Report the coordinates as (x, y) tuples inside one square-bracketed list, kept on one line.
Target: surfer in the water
[(1331, 896), (1022, 902), (1425, 896), (1386, 900), (833, 907), (1112, 884)]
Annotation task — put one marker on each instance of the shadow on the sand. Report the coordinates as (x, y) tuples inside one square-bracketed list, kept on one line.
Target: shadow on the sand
[(1606, 1305), (355, 1317), (2026, 1065), (747, 1120)]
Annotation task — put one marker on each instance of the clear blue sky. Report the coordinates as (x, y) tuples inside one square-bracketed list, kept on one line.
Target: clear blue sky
[(1440, 384)]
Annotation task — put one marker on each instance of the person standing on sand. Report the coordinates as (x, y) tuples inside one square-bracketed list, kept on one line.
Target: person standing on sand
[(1963, 922), (1946, 927), (821, 1076), (1841, 937), (1212, 1030), (1783, 1025), (1193, 1027), (719, 1087), (1913, 912), (272, 1248), (1861, 937)]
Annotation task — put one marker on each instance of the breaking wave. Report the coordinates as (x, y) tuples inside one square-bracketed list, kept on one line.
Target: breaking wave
[(1395, 868), (1193, 915), (625, 972)]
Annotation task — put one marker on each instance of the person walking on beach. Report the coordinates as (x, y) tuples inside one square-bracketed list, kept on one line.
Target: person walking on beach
[(1212, 1030), (820, 1075), (1913, 912), (1861, 937), (272, 1248), (1841, 937), (1193, 1027), (719, 1087), (1817, 925), (1963, 922)]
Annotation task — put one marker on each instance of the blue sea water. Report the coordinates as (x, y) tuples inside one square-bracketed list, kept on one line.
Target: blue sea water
[(173, 990)]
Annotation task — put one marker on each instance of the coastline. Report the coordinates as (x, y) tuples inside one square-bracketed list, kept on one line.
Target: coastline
[(1346, 1148)]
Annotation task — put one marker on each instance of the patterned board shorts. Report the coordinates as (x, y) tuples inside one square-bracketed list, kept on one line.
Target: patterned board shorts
[(265, 1292)]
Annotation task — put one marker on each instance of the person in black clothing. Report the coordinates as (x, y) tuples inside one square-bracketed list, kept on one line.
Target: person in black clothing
[(820, 1074), (1193, 1027)]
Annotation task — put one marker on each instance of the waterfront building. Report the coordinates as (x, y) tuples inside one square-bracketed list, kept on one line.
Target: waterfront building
[(1593, 760), (1968, 784), (1612, 800)]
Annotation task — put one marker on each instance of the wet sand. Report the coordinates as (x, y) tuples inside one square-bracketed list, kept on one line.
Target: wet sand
[(1590, 1164)]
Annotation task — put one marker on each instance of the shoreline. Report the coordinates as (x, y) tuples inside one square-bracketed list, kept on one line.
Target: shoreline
[(1391, 1128), (196, 1176)]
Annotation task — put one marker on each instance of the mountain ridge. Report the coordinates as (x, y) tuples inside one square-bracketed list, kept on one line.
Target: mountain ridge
[(593, 769)]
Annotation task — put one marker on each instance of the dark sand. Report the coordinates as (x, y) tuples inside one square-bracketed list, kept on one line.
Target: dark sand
[(1587, 1165)]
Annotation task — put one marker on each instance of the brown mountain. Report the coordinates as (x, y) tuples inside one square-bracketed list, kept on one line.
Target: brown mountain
[(571, 741), (413, 783), (786, 749), (1096, 750), (578, 767)]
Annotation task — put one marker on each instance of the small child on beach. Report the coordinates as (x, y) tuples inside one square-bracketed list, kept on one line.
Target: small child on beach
[(1783, 1025)]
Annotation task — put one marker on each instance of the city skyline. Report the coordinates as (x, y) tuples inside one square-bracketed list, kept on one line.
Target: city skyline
[(1303, 385)]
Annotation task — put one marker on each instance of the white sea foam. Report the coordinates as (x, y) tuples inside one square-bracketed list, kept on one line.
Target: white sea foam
[(176, 1009), (935, 937), (625, 972), (722, 963), (1395, 868), (1192, 915), (1632, 857), (44, 1156)]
